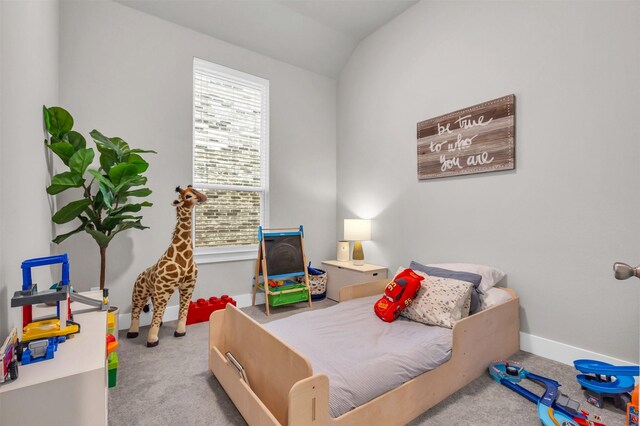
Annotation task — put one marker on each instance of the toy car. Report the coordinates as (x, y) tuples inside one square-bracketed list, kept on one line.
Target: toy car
[(398, 294), (9, 353)]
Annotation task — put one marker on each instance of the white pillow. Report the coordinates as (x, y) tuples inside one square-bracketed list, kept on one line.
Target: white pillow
[(466, 307), (440, 301), (492, 297), (490, 275)]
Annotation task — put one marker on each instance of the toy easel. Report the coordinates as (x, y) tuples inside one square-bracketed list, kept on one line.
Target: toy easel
[(282, 267)]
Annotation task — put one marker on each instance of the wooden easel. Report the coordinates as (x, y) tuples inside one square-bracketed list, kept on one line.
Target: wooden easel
[(281, 270)]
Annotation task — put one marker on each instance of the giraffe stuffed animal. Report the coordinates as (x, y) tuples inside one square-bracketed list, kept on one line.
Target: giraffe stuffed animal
[(175, 269)]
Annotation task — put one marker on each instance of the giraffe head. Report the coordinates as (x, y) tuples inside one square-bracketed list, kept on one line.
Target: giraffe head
[(189, 197)]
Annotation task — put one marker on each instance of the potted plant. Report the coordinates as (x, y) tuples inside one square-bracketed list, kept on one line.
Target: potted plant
[(105, 207)]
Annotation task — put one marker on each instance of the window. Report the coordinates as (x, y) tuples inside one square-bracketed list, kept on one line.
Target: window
[(230, 161)]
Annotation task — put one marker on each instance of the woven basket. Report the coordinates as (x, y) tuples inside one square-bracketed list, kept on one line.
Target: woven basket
[(317, 283)]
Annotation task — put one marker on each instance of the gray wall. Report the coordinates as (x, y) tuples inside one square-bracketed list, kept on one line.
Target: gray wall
[(28, 79), (129, 74), (555, 224)]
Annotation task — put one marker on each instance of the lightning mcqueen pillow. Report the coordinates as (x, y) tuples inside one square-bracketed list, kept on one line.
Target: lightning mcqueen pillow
[(398, 294)]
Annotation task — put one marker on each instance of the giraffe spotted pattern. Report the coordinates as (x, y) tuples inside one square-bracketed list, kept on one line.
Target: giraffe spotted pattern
[(174, 270)]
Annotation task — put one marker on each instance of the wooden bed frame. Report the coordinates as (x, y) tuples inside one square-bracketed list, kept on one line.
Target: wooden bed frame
[(282, 389)]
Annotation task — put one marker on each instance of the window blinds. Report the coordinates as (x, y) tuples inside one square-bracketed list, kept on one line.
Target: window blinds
[(229, 153)]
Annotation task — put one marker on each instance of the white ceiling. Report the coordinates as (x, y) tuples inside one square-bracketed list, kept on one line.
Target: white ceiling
[(318, 35)]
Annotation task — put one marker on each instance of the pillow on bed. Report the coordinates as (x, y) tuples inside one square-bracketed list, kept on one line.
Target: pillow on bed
[(466, 309), (440, 301), (490, 275), (470, 277), (494, 296)]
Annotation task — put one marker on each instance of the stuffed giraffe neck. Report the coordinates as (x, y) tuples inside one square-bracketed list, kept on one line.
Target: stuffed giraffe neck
[(174, 269)]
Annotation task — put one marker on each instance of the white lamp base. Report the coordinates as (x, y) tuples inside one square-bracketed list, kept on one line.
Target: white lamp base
[(358, 262)]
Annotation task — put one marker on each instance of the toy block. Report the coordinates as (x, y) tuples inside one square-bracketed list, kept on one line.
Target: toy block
[(113, 368), (112, 343), (201, 309)]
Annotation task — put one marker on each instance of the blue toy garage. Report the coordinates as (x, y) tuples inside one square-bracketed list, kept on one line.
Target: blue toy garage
[(601, 380)]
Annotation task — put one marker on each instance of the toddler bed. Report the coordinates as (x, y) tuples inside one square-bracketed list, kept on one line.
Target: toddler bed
[(379, 357), (283, 390)]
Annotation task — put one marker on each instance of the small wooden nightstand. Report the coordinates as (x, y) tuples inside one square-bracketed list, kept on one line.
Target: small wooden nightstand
[(340, 274)]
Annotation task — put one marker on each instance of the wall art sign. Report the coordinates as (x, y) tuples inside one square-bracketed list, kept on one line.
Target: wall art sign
[(477, 139)]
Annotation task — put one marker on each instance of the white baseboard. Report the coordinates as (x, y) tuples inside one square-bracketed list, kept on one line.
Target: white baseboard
[(244, 300), (562, 352), (171, 313)]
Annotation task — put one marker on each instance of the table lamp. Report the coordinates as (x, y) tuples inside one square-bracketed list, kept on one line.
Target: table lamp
[(357, 230)]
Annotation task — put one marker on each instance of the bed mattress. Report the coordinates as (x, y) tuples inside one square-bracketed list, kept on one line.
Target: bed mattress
[(362, 356)]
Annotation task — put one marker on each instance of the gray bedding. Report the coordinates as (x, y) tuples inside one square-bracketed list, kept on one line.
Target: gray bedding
[(363, 356)]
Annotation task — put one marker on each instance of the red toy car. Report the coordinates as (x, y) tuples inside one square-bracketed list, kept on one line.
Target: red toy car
[(398, 294)]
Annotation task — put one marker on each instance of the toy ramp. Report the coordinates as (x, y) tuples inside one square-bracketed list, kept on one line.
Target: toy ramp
[(623, 382), (550, 417), (604, 369)]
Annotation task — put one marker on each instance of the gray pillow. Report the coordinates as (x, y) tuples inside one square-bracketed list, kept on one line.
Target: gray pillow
[(469, 277)]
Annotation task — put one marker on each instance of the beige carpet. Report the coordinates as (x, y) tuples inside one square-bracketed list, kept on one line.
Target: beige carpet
[(171, 385)]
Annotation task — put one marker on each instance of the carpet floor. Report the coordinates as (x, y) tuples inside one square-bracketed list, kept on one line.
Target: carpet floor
[(171, 384)]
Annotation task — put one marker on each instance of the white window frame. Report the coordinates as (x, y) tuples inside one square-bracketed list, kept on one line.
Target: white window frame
[(240, 252)]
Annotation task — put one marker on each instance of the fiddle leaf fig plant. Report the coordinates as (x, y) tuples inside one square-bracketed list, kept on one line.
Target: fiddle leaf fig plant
[(108, 194)]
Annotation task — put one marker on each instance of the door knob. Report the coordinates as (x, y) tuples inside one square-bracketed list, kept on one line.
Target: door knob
[(622, 271)]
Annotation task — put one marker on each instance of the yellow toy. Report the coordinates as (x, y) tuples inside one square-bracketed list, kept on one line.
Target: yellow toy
[(275, 284)]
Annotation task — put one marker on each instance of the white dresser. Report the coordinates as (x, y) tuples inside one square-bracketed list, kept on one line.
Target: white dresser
[(71, 388)]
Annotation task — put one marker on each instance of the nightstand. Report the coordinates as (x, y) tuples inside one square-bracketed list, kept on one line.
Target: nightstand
[(340, 274)]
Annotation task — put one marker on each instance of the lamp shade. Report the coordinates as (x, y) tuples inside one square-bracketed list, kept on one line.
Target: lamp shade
[(357, 229)]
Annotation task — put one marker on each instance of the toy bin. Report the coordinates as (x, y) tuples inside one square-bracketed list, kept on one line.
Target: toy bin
[(113, 368), (287, 298), (317, 282)]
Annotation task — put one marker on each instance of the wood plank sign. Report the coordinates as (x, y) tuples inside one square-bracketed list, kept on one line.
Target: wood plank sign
[(477, 139)]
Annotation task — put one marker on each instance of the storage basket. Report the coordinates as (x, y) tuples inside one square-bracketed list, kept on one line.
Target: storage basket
[(317, 282), (279, 299)]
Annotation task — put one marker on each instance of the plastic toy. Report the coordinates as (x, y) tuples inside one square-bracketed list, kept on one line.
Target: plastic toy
[(200, 310), (632, 409), (554, 408), (40, 350), (112, 344), (112, 324), (8, 351), (275, 284), (29, 295), (113, 369), (398, 294), (40, 339), (601, 380)]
